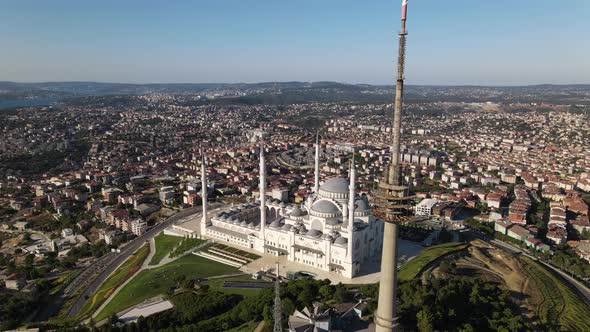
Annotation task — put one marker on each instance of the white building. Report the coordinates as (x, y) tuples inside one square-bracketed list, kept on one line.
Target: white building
[(280, 194), (138, 227), (333, 230), (424, 208)]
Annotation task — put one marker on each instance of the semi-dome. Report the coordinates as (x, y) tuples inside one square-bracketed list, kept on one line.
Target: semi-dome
[(341, 240), (314, 233), (332, 222), (335, 185), (287, 227), (297, 212), (275, 224), (324, 206), (361, 205)]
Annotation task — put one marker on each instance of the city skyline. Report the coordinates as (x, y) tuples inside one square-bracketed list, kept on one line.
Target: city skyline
[(476, 44)]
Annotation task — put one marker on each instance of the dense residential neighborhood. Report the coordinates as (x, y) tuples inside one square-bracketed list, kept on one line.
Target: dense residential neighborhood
[(91, 180)]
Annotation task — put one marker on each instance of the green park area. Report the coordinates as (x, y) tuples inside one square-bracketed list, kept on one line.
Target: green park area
[(414, 266), (160, 280), (560, 306), (116, 279), (185, 245), (164, 245)]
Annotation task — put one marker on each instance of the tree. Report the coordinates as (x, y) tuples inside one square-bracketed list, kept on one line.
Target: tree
[(341, 294), (188, 284), (326, 292), (29, 259), (288, 306), (425, 319), (305, 298), (113, 319)]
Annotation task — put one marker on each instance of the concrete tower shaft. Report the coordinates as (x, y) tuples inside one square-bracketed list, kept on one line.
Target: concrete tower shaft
[(392, 202)]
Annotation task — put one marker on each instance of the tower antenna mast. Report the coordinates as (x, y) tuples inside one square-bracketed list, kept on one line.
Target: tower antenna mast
[(392, 202)]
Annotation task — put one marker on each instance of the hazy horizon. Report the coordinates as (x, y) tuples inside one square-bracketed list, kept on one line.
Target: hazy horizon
[(292, 81)]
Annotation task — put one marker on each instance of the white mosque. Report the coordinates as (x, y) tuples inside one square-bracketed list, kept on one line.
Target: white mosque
[(333, 230)]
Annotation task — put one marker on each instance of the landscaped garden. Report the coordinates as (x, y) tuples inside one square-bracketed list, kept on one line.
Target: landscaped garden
[(164, 245), (160, 280)]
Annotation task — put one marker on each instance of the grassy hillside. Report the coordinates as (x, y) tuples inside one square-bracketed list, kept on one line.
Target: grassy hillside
[(560, 307), (413, 267)]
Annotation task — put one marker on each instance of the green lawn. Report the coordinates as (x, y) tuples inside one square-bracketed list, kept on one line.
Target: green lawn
[(153, 282), (560, 304), (415, 265), (116, 279), (217, 284), (164, 245), (185, 245)]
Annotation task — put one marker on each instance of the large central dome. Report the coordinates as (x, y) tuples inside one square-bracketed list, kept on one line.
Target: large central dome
[(325, 207), (335, 185)]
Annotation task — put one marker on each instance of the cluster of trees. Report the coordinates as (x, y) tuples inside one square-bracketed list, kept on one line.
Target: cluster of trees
[(454, 304), (430, 187), (97, 249), (565, 259), (14, 308), (458, 304), (487, 228), (45, 161)]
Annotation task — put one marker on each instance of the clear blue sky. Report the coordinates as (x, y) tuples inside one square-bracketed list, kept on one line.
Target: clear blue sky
[(450, 42)]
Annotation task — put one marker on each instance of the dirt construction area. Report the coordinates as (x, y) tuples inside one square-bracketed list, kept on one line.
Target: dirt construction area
[(539, 292), (489, 263)]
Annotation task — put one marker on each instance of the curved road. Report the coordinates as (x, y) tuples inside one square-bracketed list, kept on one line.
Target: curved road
[(109, 264)]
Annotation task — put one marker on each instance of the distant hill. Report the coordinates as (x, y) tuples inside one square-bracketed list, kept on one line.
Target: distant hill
[(22, 94)]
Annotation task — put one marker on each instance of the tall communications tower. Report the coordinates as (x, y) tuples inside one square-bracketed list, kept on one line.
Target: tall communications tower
[(392, 203)]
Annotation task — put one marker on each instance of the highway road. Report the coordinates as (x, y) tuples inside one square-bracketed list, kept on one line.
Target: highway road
[(109, 263)]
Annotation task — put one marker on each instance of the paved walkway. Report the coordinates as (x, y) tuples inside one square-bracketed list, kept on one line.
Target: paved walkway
[(259, 327), (369, 274)]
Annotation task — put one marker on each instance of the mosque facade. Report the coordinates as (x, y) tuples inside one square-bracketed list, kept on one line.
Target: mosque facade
[(333, 230)]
